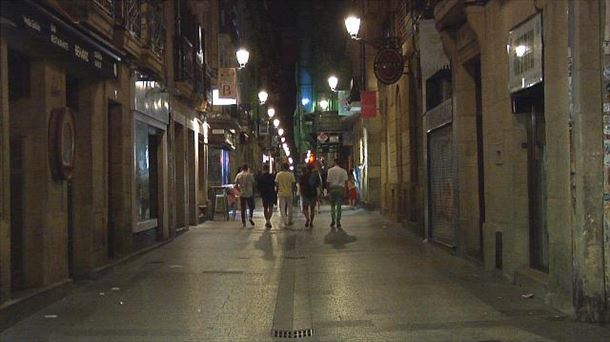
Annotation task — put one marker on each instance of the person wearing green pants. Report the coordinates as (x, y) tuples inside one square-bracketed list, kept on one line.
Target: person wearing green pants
[(336, 181)]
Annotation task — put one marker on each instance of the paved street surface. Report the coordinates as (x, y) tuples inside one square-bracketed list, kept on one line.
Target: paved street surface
[(372, 282)]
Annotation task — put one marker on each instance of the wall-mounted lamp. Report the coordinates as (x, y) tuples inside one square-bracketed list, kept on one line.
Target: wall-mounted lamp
[(242, 57)]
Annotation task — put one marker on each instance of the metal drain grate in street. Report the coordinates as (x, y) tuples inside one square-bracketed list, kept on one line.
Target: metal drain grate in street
[(292, 333)]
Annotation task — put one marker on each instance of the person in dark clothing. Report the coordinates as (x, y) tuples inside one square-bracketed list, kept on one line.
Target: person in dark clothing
[(266, 186), (308, 185)]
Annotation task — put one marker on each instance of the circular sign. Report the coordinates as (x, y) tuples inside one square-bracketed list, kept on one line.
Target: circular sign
[(389, 65), (62, 143)]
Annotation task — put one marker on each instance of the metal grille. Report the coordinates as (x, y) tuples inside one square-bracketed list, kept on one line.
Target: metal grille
[(107, 6), (129, 16), (292, 333), (441, 185), (155, 31)]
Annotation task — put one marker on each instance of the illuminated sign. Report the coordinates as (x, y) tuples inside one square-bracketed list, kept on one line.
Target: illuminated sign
[(525, 54)]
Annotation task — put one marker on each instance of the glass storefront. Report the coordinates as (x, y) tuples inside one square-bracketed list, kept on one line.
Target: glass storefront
[(146, 141)]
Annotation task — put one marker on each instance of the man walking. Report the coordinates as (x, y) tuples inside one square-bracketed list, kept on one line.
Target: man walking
[(336, 180), (308, 186), (245, 182), (266, 186), (285, 182)]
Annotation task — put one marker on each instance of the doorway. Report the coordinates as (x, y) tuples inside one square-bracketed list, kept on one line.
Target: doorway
[(17, 212), (114, 197), (180, 158), (530, 103), (72, 102), (474, 238), (19, 91), (539, 237), (480, 152)]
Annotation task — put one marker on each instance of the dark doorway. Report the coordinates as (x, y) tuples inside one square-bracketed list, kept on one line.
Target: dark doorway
[(72, 101), (114, 196), (480, 153), (17, 212), (18, 89), (180, 158), (539, 237), (474, 68), (530, 103)]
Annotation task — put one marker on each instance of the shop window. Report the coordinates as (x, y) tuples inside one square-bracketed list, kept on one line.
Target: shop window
[(146, 171)]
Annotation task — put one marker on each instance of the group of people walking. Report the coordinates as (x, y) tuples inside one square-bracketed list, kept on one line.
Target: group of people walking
[(280, 189)]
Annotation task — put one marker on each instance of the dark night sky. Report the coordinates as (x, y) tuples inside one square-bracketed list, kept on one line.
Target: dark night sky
[(279, 38)]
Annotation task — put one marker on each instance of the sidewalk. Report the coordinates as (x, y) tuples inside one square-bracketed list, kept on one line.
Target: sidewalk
[(371, 282)]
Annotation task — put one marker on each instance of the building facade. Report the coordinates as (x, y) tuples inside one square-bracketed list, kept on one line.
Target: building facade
[(492, 141), (104, 149)]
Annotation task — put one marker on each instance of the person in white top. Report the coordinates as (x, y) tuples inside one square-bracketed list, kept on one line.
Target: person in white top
[(245, 181), (336, 181)]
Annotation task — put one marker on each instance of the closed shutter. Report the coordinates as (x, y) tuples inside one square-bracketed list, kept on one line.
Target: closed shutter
[(441, 185)]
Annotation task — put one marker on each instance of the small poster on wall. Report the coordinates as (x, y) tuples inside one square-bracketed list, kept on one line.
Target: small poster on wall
[(525, 54)]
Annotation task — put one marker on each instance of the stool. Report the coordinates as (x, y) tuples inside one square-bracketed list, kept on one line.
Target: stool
[(220, 205)]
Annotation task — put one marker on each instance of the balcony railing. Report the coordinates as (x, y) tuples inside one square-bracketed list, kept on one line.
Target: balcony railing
[(128, 15), (106, 6), (155, 31)]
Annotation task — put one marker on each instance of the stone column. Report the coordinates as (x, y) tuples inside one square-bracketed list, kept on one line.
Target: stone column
[(588, 234)]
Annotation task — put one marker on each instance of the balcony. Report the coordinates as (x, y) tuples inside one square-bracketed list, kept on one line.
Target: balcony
[(185, 65), (153, 36), (128, 29), (96, 14), (105, 6)]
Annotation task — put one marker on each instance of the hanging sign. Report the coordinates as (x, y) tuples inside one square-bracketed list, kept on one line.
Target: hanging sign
[(389, 65), (227, 83), (368, 101), (525, 54)]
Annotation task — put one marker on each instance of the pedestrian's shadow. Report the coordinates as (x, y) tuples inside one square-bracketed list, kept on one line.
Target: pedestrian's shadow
[(265, 244), (338, 238)]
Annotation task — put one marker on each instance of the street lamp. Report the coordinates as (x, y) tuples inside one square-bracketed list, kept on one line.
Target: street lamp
[(242, 57), (271, 112), (262, 96), (280, 131), (283, 139), (352, 24), (276, 123), (324, 104), (332, 82)]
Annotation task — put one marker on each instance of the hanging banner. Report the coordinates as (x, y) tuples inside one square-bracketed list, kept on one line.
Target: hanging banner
[(227, 83), (368, 101)]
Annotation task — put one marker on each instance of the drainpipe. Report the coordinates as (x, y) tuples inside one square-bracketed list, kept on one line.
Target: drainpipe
[(605, 89)]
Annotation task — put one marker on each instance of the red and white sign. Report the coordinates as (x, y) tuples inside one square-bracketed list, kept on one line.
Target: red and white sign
[(322, 137), (368, 101)]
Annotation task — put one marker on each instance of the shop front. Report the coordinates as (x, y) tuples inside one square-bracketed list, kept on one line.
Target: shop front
[(151, 120), (61, 83)]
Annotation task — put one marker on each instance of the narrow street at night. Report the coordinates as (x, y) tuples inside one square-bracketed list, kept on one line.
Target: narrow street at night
[(371, 282), (319, 170)]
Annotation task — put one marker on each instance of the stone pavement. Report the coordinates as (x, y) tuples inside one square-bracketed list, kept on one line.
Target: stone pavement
[(371, 282)]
